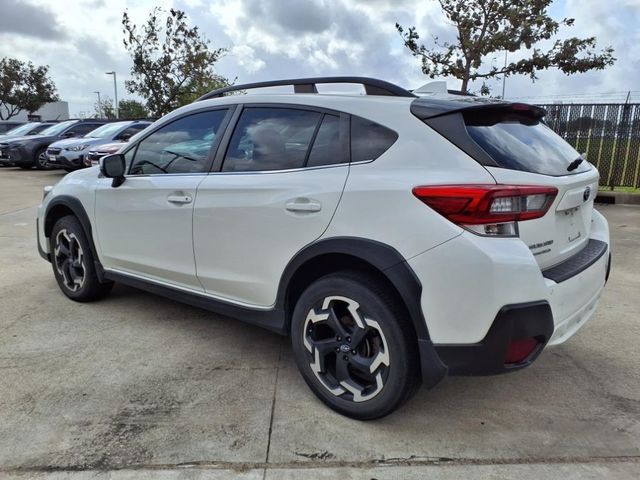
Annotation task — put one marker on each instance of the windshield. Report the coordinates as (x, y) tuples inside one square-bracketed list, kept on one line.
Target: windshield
[(519, 142), (21, 130), (108, 130), (58, 128)]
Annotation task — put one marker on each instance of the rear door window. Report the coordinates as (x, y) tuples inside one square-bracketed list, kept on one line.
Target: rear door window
[(270, 139), (521, 142), (369, 140)]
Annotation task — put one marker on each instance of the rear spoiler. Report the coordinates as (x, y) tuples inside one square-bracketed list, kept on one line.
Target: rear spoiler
[(427, 108)]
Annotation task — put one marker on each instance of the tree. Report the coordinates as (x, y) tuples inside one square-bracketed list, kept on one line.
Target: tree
[(23, 86), (171, 61), (104, 109), (486, 27), (130, 109)]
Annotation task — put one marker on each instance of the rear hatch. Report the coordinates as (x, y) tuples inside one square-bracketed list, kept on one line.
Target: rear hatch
[(518, 148)]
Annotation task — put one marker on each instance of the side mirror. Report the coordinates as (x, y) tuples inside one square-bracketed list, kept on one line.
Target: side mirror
[(113, 166), (69, 134), (125, 137)]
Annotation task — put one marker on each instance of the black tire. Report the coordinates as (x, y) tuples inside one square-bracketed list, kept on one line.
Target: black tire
[(40, 165), (388, 341), (75, 271)]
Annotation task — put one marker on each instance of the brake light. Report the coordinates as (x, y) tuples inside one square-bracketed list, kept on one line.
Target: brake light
[(488, 209)]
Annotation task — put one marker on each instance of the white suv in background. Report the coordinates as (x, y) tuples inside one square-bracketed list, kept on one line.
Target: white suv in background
[(396, 239)]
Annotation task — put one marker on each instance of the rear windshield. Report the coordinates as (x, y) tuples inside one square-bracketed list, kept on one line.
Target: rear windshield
[(520, 142)]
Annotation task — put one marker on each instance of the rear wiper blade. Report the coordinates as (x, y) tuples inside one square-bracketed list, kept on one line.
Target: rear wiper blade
[(573, 165)]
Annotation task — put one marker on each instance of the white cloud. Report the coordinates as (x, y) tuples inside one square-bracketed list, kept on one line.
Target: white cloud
[(270, 39)]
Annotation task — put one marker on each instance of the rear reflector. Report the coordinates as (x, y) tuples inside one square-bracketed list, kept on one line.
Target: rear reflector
[(487, 204), (520, 349)]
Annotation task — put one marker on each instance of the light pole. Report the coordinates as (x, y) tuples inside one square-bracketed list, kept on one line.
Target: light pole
[(99, 105), (115, 90), (504, 75)]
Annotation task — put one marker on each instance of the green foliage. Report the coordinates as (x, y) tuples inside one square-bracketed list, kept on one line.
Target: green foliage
[(104, 109), (171, 61), (130, 109), (23, 86), (486, 27)]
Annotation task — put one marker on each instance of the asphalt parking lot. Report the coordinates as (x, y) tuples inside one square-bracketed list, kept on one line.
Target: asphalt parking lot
[(137, 386)]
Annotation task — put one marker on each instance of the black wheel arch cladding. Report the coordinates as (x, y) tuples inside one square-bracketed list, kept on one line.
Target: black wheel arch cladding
[(392, 265)]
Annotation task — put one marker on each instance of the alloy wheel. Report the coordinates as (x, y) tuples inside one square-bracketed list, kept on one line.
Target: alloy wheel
[(348, 351), (69, 260)]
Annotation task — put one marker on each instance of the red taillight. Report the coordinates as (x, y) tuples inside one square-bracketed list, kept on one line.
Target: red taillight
[(487, 204), (520, 349)]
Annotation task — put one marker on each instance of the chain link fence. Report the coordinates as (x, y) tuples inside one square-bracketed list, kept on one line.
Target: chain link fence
[(608, 134)]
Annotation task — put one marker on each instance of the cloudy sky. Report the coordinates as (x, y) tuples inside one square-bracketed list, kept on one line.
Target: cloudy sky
[(270, 39)]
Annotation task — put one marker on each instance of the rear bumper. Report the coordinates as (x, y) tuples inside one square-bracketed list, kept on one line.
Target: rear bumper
[(470, 282), (487, 357)]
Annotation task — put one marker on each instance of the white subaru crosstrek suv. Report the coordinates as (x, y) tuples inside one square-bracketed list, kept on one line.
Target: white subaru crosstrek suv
[(396, 239)]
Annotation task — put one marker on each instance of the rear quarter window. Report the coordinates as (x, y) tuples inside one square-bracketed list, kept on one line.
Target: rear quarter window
[(369, 140), (521, 142)]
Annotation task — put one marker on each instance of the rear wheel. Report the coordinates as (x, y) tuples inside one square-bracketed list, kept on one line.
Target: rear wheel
[(73, 262), (40, 160), (353, 345)]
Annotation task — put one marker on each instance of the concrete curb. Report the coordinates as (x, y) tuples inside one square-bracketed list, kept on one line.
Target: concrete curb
[(618, 198)]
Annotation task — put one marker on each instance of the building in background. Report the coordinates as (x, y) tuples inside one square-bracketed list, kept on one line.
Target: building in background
[(50, 111)]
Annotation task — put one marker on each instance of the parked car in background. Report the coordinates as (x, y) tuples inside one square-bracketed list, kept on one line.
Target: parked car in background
[(93, 156), (70, 153), (6, 125), (27, 151), (29, 128)]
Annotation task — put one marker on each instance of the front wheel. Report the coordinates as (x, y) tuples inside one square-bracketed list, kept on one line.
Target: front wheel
[(73, 262), (354, 346)]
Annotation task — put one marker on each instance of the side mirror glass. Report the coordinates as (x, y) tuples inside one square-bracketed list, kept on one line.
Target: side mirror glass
[(113, 166)]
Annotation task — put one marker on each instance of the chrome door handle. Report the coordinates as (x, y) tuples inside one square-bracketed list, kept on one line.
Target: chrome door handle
[(179, 199), (300, 206)]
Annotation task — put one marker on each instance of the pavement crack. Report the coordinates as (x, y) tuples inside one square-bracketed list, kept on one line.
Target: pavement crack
[(273, 407), (411, 461)]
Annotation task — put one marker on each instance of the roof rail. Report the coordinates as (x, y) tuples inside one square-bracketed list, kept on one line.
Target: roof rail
[(372, 86)]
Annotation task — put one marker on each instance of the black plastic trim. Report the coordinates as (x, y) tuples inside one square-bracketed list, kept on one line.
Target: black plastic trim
[(578, 263), (78, 210), (487, 357), (393, 266), (273, 319), (372, 86), (42, 253)]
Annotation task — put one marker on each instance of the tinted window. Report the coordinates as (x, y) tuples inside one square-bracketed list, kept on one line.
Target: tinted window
[(58, 128), (107, 130), (82, 129), (524, 143), (22, 130), (132, 130), (270, 139), (326, 148), (369, 140), (181, 146)]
